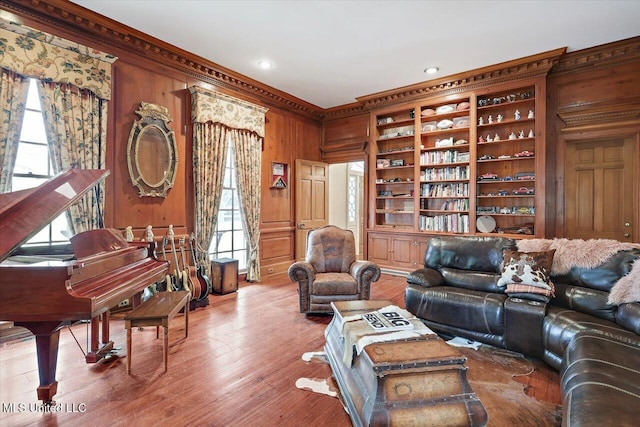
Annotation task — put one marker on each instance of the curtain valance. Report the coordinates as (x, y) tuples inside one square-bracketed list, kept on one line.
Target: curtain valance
[(215, 107), (34, 53)]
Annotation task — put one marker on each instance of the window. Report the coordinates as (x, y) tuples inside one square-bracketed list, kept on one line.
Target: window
[(34, 166), (229, 238)]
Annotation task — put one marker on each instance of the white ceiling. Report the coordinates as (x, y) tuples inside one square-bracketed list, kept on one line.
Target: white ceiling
[(330, 52)]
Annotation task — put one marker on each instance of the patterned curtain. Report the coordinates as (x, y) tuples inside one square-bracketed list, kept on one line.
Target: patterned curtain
[(74, 101), (13, 98), (245, 121), (76, 128), (247, 148), (209, 157)]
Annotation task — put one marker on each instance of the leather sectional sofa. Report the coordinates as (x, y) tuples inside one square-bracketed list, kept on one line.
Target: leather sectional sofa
[(594, 344)]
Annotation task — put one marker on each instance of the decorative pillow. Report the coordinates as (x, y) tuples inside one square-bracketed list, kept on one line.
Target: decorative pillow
[(526, 268)]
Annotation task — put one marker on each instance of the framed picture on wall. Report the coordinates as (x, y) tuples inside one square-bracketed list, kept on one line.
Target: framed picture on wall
[(280, 173)]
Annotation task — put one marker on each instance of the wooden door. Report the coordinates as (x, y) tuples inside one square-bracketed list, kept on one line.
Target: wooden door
[(312, 211), (599, 189)]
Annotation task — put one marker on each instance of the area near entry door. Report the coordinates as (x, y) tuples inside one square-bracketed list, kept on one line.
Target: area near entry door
[(312, 181)]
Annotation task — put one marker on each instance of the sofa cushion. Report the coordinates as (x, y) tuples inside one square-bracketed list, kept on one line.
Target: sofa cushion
[(600, 381), (526, 268), (561, 325), (585, 300), (460, 308), (628, 316), (473, 280), (478, 254)]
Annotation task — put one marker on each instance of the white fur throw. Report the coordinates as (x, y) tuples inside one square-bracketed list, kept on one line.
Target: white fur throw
[(589, 254)]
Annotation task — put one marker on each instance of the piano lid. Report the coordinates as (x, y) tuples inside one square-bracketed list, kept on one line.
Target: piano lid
[(24, 213)]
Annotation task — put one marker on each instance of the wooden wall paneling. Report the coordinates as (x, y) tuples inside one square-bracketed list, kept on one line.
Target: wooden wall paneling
[(275, 206), (132, 85), (593, 95), (276, 249), (345, 139)]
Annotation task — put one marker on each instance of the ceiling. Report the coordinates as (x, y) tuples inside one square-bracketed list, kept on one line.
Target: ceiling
[(328, 53)]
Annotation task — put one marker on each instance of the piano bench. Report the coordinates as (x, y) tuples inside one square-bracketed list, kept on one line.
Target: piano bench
[(158, 311)]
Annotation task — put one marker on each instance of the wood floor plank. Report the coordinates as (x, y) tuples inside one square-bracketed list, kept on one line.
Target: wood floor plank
[(238, 367)]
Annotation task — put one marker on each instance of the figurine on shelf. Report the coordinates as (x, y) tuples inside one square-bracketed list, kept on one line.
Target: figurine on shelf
[(530, 115), (128, 232), (517, 115), (480, 139), (512, 135), (499, 118), (489, 138), (480, 121), (149, 234), (496, 138), (530, 133), (521, 135), (490, 119)]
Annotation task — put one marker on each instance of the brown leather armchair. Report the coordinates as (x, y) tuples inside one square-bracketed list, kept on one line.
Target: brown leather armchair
[(330, 271)]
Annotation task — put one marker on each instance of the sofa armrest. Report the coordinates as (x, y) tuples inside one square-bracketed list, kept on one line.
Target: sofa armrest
[(301, 271), (426, 277), (365, 272)]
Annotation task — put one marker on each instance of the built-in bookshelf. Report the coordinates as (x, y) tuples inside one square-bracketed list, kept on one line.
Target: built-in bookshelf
[(469, 164)]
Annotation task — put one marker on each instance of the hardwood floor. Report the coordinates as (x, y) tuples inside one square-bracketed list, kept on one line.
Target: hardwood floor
[(238, 367)]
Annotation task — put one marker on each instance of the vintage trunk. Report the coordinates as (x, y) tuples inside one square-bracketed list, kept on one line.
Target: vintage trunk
[(417, 381)]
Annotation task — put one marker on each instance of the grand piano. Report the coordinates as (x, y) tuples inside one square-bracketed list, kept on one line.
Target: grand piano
[(45, 296)]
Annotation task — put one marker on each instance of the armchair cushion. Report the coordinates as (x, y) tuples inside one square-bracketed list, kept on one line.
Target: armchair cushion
[(331, 249), (334, 284)]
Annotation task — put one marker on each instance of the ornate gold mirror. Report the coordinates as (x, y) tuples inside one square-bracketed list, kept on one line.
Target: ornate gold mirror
[(151, 153)]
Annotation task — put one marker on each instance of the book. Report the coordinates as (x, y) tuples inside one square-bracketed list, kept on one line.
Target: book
[(387, 320)]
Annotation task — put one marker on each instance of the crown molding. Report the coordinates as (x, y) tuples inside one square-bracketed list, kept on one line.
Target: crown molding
[(518, 69), (79, 20), (619, 52), (610, 112)]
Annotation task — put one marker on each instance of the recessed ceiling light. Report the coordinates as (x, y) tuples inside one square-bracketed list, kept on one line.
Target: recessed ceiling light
[(265, 64), (431, 70)]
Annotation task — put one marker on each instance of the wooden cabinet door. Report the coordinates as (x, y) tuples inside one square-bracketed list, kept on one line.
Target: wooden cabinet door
[(379, 249), (403, 249)]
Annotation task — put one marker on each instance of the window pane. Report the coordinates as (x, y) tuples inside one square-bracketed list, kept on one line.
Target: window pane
[(239, 240), (33, 100), (32, 158), (33, 127), (59, 226), (237, 221), (241, 256), (226, 242), (20, 183), (227, 199), (41, 236)]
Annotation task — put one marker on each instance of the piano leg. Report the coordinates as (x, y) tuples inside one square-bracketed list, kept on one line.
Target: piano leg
[(97, 352), (47, 339)]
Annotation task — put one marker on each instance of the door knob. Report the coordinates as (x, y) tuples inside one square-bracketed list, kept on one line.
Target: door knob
[(627, 224), (626, 234), (301, 226)]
